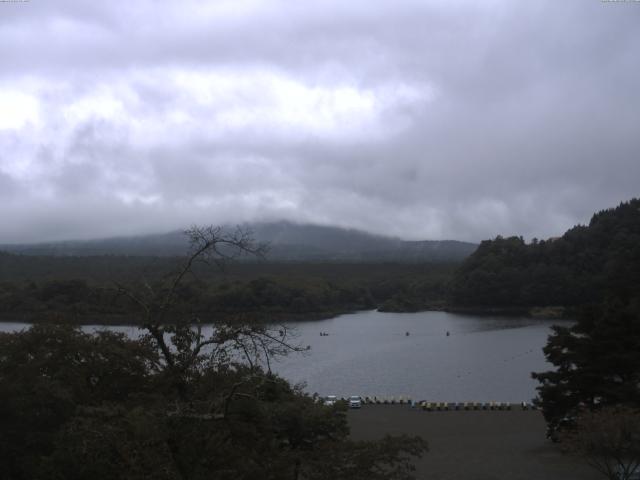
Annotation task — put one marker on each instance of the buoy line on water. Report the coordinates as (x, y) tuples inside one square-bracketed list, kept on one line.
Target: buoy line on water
[(497, 362)]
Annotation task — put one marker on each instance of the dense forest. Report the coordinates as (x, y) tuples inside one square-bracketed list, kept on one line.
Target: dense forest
[(86, 289), (308, 271), (593, 391), (585, 265)]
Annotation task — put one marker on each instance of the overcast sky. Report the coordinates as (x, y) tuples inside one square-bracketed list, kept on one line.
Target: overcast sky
[(420, 119)]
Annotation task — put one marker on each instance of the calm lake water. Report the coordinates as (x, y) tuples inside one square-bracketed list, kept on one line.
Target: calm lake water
[(369, 353)]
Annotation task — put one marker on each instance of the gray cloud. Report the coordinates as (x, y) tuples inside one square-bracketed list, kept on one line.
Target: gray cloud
[(418, 119)]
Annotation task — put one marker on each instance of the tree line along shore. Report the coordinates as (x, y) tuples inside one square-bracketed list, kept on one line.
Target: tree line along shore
[(546, 278)]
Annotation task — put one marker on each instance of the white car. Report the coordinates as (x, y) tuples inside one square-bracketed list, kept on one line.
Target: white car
[(355, 401), (330, 400)]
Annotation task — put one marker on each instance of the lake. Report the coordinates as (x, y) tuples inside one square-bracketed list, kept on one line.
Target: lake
[(483, 359), (369, 353)]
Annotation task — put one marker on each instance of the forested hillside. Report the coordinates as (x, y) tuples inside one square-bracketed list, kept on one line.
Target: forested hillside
[(585, 265), (84, 289), (309, 271)]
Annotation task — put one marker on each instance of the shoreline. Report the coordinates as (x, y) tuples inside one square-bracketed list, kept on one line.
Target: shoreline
[(551, 312), (124, 320)]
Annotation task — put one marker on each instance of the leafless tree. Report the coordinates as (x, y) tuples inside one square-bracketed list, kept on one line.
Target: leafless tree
[(608, 440), (183, 346)]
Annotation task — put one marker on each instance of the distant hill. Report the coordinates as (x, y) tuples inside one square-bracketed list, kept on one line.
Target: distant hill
[(587, 264), (287, 242)]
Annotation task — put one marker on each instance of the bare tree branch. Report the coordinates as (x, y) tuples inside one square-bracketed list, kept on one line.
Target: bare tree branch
[(182, 343), (608, 440)]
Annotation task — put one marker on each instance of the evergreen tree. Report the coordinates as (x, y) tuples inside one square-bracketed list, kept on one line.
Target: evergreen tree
[(597, 362)]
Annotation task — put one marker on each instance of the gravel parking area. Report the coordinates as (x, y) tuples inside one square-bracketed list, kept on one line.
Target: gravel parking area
[(473, 445)]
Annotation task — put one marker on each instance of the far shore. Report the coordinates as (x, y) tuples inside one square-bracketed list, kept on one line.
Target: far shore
[(128, 320), (555, 312)]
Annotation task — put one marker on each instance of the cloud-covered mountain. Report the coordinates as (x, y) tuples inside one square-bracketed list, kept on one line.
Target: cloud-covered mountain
[(287, 242)]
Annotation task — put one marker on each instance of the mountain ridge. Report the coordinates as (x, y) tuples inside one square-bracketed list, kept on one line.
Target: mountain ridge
[(287, 241)]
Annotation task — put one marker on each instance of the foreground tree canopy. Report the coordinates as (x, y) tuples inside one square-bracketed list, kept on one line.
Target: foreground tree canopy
[(174, 403), (75, 405)]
